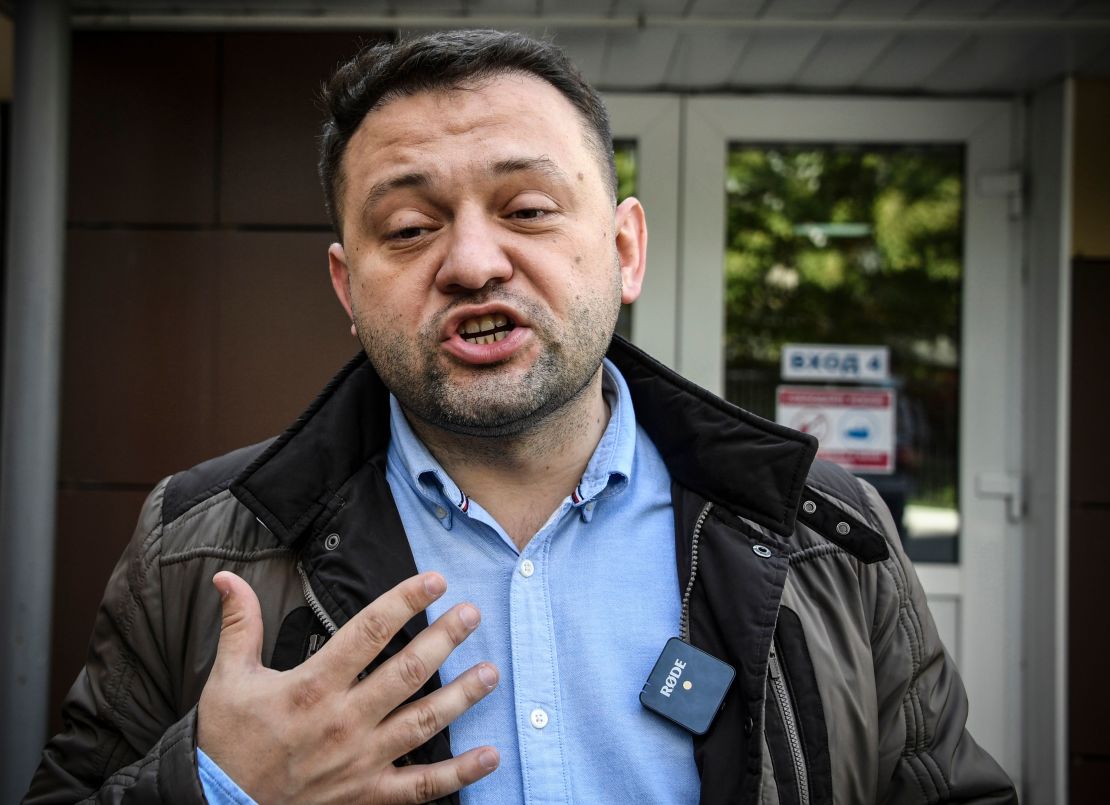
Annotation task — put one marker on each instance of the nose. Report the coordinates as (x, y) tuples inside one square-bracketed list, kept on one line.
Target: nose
[(475, 254)]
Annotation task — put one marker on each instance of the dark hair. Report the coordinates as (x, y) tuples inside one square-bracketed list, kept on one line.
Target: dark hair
[(446, 60)]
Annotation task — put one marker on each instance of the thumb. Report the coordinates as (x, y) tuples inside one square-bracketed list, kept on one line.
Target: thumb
[(241, 623)]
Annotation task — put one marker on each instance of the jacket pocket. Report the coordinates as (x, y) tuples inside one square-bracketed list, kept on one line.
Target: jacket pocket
[(797, 738)]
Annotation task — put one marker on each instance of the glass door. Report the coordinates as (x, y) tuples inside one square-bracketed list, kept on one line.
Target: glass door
[(842, 223), (855, 245)]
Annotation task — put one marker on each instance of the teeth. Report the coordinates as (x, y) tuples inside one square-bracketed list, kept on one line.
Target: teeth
[(471, 328)]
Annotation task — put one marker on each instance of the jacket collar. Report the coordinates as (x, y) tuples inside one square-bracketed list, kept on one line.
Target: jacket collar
[(753, 467)]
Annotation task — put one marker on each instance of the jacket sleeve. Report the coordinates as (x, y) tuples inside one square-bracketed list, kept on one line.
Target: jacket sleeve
[(124, 740), (926, 754)]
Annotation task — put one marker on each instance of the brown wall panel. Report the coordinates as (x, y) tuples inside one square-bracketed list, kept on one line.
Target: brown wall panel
[(137, 372), (183, 345), (271, 119), (1089, 531), (142, 137), (1091, 169), (1088, 624), (1088, 781), (1090, 381), (281, 333), (183, 342), (93, 528)]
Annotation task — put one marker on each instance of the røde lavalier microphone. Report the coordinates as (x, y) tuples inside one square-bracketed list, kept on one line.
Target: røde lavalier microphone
[(687, 686)]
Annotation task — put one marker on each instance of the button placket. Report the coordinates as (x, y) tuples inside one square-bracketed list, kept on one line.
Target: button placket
[(535, 689)]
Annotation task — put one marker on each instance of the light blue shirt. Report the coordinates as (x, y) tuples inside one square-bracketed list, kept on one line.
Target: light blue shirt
[(574, 622), (219, 789)]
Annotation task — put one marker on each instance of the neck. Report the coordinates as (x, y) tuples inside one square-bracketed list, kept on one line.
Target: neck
[(521, 479)]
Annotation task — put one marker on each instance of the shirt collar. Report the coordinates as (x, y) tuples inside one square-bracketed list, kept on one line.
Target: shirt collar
[(420, 468), (610, 467), (607, 473)]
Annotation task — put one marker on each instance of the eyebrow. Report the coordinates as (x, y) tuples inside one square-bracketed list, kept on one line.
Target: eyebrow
[(503, 167), (542, 165), (387, 186)]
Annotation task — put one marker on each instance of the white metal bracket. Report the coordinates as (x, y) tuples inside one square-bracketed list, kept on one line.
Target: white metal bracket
[(1007, 485)]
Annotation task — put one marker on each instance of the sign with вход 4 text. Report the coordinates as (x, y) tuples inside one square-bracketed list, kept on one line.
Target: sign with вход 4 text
[(834, 362)]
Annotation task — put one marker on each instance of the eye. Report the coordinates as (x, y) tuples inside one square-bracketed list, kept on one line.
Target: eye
[(406, 233), (529, 214)]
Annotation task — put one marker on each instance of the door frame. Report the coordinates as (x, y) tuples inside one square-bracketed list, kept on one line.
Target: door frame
[(683, 147), (653, 122)]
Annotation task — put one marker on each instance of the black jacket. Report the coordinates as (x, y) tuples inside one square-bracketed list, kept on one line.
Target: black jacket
[(843, 691)]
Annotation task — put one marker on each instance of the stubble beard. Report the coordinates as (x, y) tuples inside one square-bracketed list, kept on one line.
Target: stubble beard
[(488, 402)]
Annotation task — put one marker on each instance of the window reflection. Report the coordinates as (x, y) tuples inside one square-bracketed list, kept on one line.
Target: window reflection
[(857, 245)]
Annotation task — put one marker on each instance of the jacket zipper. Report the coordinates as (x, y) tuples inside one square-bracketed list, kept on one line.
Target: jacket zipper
[(787, 708), (314, 602), (329, 624)]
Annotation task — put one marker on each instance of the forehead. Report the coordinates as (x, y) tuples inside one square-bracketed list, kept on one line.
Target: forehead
[(504, 116)]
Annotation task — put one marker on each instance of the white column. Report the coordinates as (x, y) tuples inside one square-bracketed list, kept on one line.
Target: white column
[(32, 363)]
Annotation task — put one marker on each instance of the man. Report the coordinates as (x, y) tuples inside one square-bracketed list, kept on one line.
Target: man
[(583, 509)]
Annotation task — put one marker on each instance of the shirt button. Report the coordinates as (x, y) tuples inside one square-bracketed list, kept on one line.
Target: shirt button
[(590, 506), (526, 570), (441, 512), (538, 718)]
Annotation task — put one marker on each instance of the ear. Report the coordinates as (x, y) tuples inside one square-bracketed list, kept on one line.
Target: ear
[(631, 229), (341, 280)]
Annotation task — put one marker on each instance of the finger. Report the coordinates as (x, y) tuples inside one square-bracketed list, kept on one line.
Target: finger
[(406, 672), (363, 637), (415, 724), (241, 623), (427, 783)]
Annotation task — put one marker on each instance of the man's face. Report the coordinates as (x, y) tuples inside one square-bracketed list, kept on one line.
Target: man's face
[(483, 265)]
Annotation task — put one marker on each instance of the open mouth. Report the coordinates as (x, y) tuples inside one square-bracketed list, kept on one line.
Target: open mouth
[(485, 329)]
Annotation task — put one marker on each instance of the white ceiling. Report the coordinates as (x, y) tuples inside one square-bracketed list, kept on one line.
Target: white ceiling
[(978, 47)]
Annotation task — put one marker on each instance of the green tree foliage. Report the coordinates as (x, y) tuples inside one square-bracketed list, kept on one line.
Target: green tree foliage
[(844, 246)]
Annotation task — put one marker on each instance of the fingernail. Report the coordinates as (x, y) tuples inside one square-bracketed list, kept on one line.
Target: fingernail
[(434, 584), (488, 676), (469, 616), (488, 758)]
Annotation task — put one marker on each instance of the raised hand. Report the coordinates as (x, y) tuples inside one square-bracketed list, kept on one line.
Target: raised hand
[(316, 733)]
